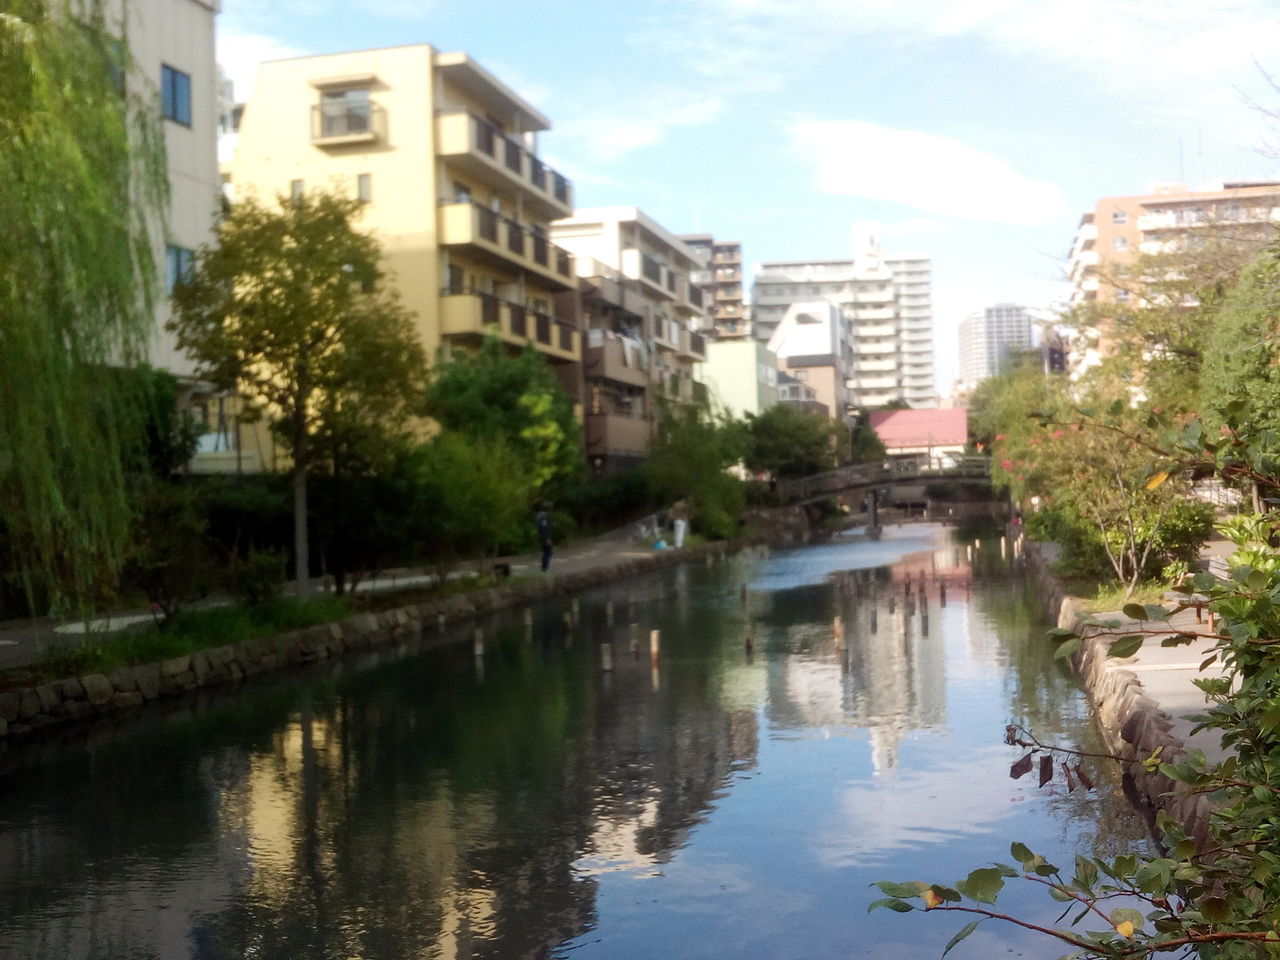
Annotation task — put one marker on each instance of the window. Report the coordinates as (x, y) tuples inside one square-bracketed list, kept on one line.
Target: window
[(800, 374), (175, 94), (177, 265), (1119, 217), (457, 279), (1122, 296), (461, 192), (364, 188), (345, 112), (296, 190), (1119, 243)]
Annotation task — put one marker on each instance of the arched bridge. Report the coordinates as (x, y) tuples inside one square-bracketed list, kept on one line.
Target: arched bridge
[(874, 475)]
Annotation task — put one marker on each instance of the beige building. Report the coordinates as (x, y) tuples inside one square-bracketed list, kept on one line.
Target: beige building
[(1169, 218), (640, 306), (721, 284), (444, 158)]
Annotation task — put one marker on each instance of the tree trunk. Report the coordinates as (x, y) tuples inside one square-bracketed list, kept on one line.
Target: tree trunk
[(301, 548)]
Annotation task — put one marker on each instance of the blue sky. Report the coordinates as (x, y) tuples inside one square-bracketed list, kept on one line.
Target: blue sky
[(975, 131)]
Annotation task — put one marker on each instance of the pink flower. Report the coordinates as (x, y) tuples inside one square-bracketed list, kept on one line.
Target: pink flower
[(999, 436), (1056, 434), (1007, 464)]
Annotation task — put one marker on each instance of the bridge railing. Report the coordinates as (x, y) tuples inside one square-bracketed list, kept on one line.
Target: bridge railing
[(871, 474)]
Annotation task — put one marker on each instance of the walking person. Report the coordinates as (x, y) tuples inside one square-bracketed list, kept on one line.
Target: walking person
[(543, 520), (679, 513)]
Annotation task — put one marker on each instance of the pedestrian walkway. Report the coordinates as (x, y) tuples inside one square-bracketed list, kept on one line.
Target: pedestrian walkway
[(25, 642)]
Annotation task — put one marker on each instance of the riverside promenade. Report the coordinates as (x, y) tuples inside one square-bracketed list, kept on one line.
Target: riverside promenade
[(24, 642)]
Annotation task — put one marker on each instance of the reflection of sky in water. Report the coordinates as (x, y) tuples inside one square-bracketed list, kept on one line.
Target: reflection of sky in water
[(720, 805)]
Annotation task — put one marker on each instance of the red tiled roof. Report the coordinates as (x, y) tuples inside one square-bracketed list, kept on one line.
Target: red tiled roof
[(921, 428)]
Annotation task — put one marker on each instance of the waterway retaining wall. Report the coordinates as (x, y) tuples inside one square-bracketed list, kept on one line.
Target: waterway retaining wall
[(1132, 724), (28, 710)]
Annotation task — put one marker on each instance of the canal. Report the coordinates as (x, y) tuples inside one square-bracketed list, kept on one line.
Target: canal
[(527, 803)]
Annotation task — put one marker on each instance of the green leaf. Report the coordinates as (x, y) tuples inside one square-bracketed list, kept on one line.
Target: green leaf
[(1155, 611), (1060, 633), (967, 929), (1135, 611), (982, 885), (1022, 853), (893, 903), (913, 889), (1067, 648), (948, 894), (1127, 915), (1126, 646)]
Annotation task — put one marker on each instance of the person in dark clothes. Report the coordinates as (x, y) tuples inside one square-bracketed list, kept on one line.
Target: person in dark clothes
[(543, 521)]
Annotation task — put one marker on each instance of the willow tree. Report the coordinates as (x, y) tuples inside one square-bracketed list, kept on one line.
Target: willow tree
[(288, 310), (82, 185)]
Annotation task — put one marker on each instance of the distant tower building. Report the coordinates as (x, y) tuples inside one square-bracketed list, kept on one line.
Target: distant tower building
[(987, 337), (886, 318), (721, 284)]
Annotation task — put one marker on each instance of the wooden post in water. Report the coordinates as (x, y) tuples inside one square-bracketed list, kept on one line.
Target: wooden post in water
[(477, 645), (634, 632), (655, 642), (606, 657), (837, 630)]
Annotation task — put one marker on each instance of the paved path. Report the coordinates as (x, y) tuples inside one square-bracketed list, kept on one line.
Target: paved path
[(23, 642)]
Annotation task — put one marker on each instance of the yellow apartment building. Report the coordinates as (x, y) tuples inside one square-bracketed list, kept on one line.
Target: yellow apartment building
[(444, 158)]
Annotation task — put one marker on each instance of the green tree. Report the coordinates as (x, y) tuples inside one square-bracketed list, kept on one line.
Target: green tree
[(77, 286), (288, 308), (789, 441), (495, 393), (689, 459), (472, 494)]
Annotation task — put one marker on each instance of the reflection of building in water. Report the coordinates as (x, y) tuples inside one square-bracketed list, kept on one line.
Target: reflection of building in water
[(889, 674)]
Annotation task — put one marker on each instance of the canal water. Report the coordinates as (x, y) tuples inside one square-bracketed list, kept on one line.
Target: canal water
[(527, 803)]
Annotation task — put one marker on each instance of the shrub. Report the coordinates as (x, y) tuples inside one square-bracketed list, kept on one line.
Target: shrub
[(257, 578)]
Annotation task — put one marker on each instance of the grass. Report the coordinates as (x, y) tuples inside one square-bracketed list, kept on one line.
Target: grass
[(189, 632), (1107, 596)]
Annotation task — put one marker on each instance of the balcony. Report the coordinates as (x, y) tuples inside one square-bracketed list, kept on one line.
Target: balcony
[(484, 151), (609, 359), (648, 269), (689, 297), (665, 332), (877, 349), (617, 433), (474, 314), (692, 344), (340, 124), (505, 242), (729, 311)]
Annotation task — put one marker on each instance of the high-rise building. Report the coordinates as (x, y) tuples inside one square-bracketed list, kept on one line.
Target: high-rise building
[(643, 314), (885, 317), (1168, 219), (987, 338), (721, 283), (443, 156)]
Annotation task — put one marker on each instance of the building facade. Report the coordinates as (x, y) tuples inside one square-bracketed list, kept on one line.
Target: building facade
[(1170, 218), (885, 314), (443, 158), (721, 284), (741, 374), (988, 337), (643, 315)]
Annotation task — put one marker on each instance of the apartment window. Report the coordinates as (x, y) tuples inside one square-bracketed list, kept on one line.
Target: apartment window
[(457, 279), (175, 94), (178, 262), (345, 112), (461, 192), (1122, 296), (1120, 243), (364, 187), (1119, 217), (296, 190)]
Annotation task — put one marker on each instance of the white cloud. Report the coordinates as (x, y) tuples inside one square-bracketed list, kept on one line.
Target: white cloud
[(240, 53), (935, 174), (1183, 60), (612, 130)]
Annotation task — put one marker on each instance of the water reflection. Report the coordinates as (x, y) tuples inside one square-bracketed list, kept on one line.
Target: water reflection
[(528, 802)]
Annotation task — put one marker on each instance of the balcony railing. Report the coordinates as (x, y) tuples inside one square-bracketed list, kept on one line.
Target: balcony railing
[(461, 316), (651, 268), (695, 296), (471, 223), (698, 344), (349, 122), (508, 154)]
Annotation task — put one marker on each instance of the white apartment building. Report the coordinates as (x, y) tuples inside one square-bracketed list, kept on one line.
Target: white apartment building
[(626, 241), (885, 307), (987, 337), (742, 375), (813, 345)]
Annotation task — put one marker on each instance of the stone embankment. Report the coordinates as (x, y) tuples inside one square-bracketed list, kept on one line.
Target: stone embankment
[(1133, 722), (55, 704)]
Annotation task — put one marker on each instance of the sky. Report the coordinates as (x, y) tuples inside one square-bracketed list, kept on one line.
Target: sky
[(973, 131)]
